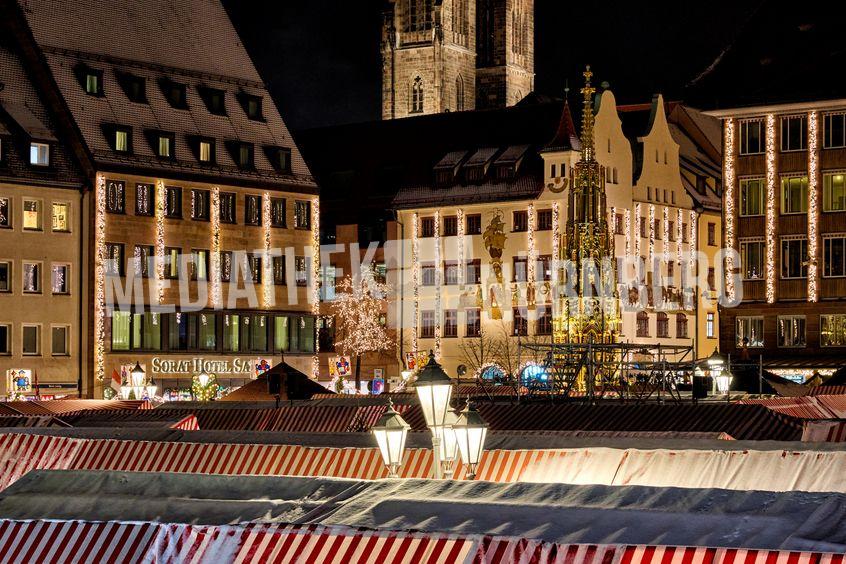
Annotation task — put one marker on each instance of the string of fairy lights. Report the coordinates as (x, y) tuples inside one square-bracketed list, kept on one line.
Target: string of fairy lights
[(100, 278), (266, 268), (161, 194), (438, 283), (771, 211), (638, 229), (315, 278), (728, 209), (813, 205), (651, 233), (679, 235), (214, 259), (415, 278), (460, 242), (532, 251), (666, 230)]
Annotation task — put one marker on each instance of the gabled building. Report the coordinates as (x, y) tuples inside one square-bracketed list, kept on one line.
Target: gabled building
[(193, 181), (41, 240), (482, 195)]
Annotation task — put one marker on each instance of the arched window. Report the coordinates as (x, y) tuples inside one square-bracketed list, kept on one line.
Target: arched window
[(681, 326), (417, 95), (642, 324), (459, 94), (663, 325)]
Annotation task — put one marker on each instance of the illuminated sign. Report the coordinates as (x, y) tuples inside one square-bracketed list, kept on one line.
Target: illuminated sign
[(191, 366)]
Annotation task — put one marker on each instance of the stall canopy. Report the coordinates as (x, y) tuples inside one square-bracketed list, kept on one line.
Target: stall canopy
[(554, 513), (294, 386)]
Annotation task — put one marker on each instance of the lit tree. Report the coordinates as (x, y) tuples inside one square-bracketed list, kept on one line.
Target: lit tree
[(479, 351), (359, 306)]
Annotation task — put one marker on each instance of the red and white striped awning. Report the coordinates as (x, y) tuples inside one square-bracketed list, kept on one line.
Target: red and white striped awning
[(774, 470), (84, 541)]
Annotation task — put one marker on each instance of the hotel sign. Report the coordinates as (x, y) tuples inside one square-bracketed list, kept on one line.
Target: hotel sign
[(191, 366)]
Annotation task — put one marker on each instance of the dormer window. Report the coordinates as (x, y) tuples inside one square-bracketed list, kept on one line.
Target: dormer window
[(163, 144), (175, 93), (242, 154), (39, 154), (252, 106), (135, 87), (206, 151), (92, 80), (214, 99), (123, 139), (280, 158)]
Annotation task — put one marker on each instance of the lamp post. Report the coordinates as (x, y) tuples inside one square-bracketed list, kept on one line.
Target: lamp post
[(719, 373), (203, 378), (434, 390), (391, 431), (447, 442), (137, 384), (470, 432)]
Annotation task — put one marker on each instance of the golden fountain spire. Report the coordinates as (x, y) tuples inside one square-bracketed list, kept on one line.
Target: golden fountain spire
[(587, 117)]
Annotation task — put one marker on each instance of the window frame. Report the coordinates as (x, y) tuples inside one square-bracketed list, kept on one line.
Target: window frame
[(299, 206), (742, 204), (38, 279), (786, 243), (10, 213), (743, 137), (151, 199), (38, 145), (780, 336), (520, 221), (743, 245), (67, 344), (200, 204), (10, 276), (828, 141), (740, 319), (169, 212), (8, 343), (841, 328), (68, 209), (118, 205), (785, 182), (275, 219), (826, 238), (38, 345), (785, 137), (476, 230), (259, 199), (827, 184), (67, 274)]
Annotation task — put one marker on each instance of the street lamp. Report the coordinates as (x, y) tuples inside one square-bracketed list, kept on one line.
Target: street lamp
[(434, 390), (716, 360), (470, 431), (391, 431), (448, 443), (724, 381), (203, 378)]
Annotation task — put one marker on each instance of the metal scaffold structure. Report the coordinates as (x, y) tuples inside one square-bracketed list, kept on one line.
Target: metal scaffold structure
[(589, 372)]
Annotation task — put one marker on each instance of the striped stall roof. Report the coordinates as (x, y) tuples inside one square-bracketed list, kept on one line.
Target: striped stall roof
[(133, 418), (824, 432), (62, 406), (804, 407), (114, 541), (30, 421), (743, 422), (828, 390), (21, 453)]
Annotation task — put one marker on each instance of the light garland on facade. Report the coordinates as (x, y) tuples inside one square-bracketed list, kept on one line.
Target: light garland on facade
[(651, 233), (161, 195), (532, 252), (813, 205), (216, 292), (315, 280), (100, 278), (415, 279), (666, 228), (771, 216), (439, 280), (556, 242), (460, 241), (729, 213), (638, 222), (267, 286), (694, 229), (627, 214), (679, 235)]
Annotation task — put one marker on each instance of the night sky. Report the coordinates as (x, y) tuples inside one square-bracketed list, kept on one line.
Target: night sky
[(321, 58)]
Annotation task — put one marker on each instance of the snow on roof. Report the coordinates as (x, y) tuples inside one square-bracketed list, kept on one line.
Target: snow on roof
[(551, 512)]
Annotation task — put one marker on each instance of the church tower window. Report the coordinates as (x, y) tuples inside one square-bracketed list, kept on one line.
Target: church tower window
[(459, 94), (419, 15), (417, 95)]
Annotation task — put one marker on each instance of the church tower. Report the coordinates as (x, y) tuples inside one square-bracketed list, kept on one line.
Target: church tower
[(505, 52), (429, 55)]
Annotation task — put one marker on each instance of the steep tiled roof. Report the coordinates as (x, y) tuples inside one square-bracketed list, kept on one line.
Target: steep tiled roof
[(23, 116), (191, 42)]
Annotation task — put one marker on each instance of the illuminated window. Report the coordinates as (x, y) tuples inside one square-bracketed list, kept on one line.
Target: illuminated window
[(5, 213), (254, 265), (279, 277), (791, 331), (173, 202), (752, 194), (32, 215), (145, 198), (751, 329), (164, 145), (115, 196), (277, 212), (252, 210), (114, 259), (709, 325), (206, 150), (142, 260), (39, 154), (302, 214), (60, 279), (61, 216), (200, 205), (199, 264), (794, 194), (833, 330), (227, 207), (171, 260), (122, 140), (834, 191), (93, 80)]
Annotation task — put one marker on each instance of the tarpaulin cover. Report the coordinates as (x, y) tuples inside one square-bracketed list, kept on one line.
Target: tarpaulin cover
[(80, 541), (560, 513), (771, 470)]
